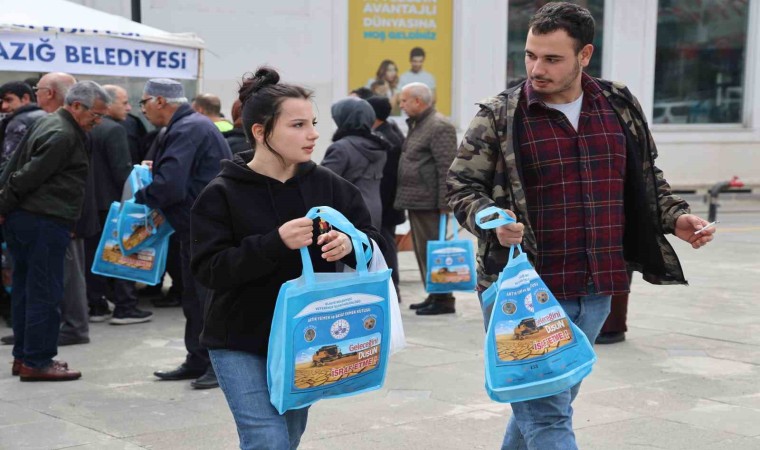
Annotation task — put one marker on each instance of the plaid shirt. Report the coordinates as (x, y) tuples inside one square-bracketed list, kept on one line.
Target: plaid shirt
[(574, 191)]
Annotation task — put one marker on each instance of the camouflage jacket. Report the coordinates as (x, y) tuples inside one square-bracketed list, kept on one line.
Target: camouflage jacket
[(487, 172)]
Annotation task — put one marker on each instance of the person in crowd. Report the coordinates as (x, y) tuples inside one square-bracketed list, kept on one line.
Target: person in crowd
[(40, 200), (17, 102), (428, 151), (379, 88), (210, 106), (51, 90), (188, 156), (387, 75), (356, 154), (136, 131), (173, 297), (361, 92), (416, 74), (111, 164), (391, 216), (236, 137), (277, 184), (570, 157)]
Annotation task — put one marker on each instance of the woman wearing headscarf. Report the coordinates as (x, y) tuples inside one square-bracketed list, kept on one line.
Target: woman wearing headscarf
[(356, 154)]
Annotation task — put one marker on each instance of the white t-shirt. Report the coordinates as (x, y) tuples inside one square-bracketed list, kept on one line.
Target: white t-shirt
[(571, 110), (420, 77)]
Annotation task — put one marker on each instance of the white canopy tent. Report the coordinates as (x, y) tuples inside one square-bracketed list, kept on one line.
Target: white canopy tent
[(57, 35)]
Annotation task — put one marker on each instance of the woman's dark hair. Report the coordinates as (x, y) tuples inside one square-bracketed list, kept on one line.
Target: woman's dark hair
[(576, 20), (262, 95), (380, 75)]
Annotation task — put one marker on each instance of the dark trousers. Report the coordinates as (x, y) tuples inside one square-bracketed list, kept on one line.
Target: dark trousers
[(75, 320), (616, 321), (122, 293), (38, 246), (391, 255), (424, 224), (194, 298)]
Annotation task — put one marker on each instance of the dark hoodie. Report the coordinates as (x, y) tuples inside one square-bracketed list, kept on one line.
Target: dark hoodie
[(237, 250), (356, 154)]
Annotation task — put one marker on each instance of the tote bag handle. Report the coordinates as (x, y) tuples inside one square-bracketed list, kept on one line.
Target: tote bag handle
[(443, 225), (358, 240), (502, 219)]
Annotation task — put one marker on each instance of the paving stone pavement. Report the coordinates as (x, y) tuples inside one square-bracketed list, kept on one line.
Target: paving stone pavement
[(687, 377)]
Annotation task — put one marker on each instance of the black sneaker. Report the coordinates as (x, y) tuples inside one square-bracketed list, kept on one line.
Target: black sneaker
[(129, 316), (99, 311)]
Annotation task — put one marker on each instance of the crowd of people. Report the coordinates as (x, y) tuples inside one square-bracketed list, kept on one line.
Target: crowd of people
[(569, 156)]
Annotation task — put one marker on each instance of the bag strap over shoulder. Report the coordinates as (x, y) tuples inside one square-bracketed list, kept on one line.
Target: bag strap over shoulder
[(360, 241)]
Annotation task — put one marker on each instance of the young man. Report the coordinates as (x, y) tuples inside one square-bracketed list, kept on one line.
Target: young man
[(416, 74), (16, 100), (572, 159)]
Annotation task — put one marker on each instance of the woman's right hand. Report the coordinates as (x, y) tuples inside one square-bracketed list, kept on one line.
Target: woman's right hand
[(297, 233)]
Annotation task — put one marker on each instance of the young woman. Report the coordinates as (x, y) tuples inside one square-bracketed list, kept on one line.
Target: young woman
[(387, 79), (247, 227)]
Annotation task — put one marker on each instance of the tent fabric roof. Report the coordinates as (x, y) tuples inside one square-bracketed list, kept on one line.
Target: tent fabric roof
[(60, 16)]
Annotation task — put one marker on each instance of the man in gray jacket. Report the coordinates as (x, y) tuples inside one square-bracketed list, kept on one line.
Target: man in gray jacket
[(428, 151)]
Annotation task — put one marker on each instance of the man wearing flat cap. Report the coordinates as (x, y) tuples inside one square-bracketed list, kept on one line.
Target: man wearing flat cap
[(188, 156)]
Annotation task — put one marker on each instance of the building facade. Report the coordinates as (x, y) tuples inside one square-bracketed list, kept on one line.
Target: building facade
[(694, 65)]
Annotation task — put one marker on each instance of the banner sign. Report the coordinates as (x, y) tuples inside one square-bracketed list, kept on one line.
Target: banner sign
[(396, 42), (95, 55)]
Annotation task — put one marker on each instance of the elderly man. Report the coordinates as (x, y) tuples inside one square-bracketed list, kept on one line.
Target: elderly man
[(111, 164), (428, 151), (188, 156), (16, 100), (51, 90), (40, 200)]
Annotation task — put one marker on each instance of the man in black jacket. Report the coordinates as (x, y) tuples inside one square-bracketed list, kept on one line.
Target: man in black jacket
[(16, 100), (189, 155), (391, 216), (111, 164), (40, 200)]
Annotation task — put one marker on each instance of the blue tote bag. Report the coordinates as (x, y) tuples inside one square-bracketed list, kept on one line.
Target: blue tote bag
[(145, 265), (450, 264), (330, 332), (139, 226), (532, 349)]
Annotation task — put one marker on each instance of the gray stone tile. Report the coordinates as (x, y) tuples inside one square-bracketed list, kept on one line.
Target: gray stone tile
[(646, 433), (47, 434), (221, 436), (727, 418), (13, 414), (469, 430)]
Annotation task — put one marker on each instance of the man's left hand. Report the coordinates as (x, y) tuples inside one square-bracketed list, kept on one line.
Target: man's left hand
[(688, 224)]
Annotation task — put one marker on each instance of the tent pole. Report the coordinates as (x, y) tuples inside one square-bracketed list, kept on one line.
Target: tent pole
[(136, 11)]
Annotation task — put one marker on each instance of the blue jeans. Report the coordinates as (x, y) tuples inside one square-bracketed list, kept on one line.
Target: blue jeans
[(547, 423), (243, 379), (38, 246)]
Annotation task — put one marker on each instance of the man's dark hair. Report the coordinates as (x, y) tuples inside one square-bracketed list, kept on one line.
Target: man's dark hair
[(17, 88), (381, 105), (210, 103), (416, 51), (362, 92), (575, 20)]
